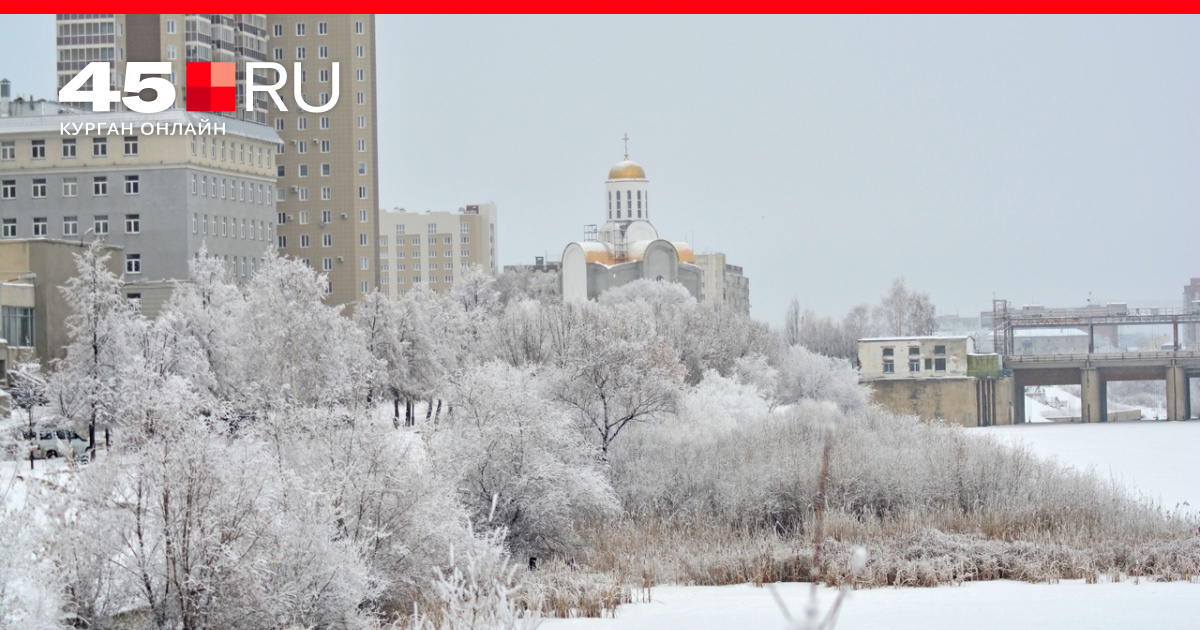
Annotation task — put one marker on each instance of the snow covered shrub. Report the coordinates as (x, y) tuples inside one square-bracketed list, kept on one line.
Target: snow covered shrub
[(717, 400), (383, 493), (805, 375), (202, 534), (31, 598), (478, 592), (518, 461)]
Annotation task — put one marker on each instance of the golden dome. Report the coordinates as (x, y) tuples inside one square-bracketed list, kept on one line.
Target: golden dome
[(626, 169)]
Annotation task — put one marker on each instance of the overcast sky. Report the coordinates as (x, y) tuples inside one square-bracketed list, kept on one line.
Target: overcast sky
[(1035, 159)]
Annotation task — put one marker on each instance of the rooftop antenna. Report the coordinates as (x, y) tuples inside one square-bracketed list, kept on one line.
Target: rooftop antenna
[(626, 139)]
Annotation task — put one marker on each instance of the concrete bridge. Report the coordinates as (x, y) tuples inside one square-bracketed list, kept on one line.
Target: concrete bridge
[(1092, 370)]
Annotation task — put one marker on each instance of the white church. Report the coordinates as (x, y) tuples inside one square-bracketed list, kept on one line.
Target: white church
[(628, 248)]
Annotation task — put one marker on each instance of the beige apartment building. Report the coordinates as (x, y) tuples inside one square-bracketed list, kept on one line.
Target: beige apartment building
[(327, 162), (434, 248)]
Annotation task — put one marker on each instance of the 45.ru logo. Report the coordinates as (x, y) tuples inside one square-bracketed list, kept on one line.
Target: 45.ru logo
[(211, 87)]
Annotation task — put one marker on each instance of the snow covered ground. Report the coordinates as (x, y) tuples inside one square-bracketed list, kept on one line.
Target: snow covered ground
[(1155, 458), (1002, 604)]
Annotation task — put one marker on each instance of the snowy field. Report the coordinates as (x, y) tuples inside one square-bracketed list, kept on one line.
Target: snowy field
[(1157, 459), (1002, 604)]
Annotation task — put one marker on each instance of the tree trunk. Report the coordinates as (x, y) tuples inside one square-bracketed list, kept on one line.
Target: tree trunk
[(437, 414), (395, 411)]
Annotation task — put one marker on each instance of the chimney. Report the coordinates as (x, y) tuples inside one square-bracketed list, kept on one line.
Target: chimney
[(5, 96)]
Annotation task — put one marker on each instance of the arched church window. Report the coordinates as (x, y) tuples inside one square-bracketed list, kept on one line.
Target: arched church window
[(639, 213), (628, 198), (610, 204), (639, 203), (618, 203)]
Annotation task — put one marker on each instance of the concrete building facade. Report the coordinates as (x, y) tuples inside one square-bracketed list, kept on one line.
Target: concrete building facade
[(328, 162), (723, 284), (434, 248), (32, 309), (158, 197), (936, 378)]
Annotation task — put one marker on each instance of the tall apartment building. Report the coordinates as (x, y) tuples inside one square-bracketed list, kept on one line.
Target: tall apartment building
[(328, 181), (158, 196), (723, 284), (176, 38), (434, 248), (327, 167)]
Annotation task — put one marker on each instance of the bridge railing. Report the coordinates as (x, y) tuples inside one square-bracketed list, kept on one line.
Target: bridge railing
[(1159, 355)]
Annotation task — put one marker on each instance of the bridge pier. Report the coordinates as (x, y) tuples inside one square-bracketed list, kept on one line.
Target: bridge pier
[(1018, 401), (1179, 404), (1093, 395)]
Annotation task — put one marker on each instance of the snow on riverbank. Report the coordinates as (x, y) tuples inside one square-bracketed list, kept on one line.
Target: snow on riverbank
[(1000, 604), (1154, 458), (1157, 459)]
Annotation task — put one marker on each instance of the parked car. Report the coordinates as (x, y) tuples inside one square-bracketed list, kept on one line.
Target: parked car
[(51, 443)]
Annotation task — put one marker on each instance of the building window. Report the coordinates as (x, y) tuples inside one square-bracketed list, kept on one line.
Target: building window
[(326, 240), (132, 186), (302, 123), (359, 28), (70, 187), (302, 193), (99, 186), (465, 253), (939, 349), (362, 122), (363, 239), (325, 146), (939, 365), (914, 351), (282, 241), (360, 51), (362, 168), (39, 226), (362, 192), (324, 122), (38, 149), (889, 367), (100, 224), (360, 75), (362, 216), (10, 228), (243, 230), (8, 150), (133, 263), (914, 365), (70, 226), (8, 189), (300, 29), (322, 75), (18, 326), (322, 28), (302, 146), (326, 217), (326, 169), (400, 232), (362, 146), (68, 148), (464, 239), (303, 240), (299, 52), (301, 170), (327, 264), (361, 98), (133, 224), (99, 147), (304, 217), (37, 188), (225, 226), (277, 30), (171, 27), (326, 193), (131, 145)]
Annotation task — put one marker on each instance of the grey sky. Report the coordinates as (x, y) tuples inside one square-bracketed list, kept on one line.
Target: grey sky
[(1035, 159)]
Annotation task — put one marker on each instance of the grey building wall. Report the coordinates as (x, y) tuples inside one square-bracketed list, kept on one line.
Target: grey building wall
[(164, 205)]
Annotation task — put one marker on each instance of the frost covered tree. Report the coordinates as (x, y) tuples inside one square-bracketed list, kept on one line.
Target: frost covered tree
[(101, 326), (806, 375), (905, 313), (518, 461), (612, 377)]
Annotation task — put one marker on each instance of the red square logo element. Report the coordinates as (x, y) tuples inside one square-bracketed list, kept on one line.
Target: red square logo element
[(211, 87)]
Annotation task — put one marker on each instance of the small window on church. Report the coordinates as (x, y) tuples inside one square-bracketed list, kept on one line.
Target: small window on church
[(639, 203), (639, 213), (610, 204), (628, 198), (618, 202)]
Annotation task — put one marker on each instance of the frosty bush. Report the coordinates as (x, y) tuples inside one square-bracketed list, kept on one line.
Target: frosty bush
[(518, 461)]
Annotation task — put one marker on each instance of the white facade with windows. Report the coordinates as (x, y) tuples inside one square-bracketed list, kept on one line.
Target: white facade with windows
[(434, 248)]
